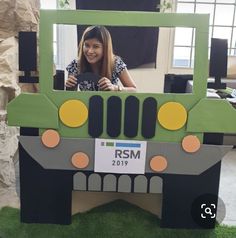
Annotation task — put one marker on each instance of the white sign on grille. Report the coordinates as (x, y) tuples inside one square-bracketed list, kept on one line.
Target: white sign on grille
[(120, 156)]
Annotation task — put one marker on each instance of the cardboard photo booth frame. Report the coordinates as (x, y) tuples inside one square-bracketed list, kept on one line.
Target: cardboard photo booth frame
[(162, 136)]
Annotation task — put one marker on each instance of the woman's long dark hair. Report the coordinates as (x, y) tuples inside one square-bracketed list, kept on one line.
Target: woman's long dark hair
[(103, 36)]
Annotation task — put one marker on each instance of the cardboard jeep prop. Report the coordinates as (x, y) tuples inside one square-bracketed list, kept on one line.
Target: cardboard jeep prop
[(118, 142)]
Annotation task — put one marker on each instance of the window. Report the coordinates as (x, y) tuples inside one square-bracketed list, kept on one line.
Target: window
[(45, 4), (52, 4), (62, 35), (222, 25)]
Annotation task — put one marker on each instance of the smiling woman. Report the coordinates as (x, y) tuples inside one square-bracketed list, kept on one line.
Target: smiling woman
[(96, 55)]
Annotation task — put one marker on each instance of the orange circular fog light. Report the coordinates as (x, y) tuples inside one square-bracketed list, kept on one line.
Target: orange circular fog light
[(191, 143), (80, 160), (50, 138), (158, 163)]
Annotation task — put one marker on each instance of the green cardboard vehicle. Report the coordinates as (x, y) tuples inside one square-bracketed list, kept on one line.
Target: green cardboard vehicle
[(106, 141)]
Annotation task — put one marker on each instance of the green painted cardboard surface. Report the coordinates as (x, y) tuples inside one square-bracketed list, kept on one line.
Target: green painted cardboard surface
[(122, 18), (161, 134), (212, 115), (32, 110)]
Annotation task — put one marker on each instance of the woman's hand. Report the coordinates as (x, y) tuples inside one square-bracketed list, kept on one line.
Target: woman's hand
[(104, 84), (71, 81)]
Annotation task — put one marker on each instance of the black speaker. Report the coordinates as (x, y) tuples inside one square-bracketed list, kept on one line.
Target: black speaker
[(27, 51), (28, 56), (218, 62), (59, 81)]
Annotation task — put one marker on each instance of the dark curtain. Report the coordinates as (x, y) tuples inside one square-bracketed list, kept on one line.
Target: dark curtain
[(135, 45)]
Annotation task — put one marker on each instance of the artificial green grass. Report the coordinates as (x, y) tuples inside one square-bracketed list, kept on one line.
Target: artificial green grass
[(113, 220)]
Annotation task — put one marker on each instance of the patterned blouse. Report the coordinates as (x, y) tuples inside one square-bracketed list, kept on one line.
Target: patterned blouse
[(88, 85)]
